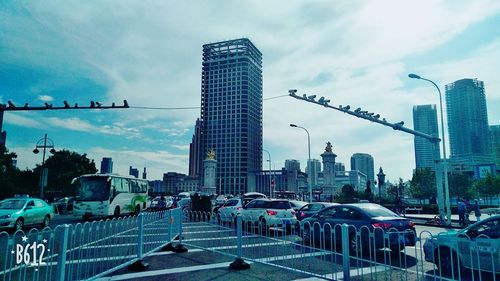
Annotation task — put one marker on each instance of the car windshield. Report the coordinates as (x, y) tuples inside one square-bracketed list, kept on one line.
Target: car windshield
[(231, 203), (93, 189), (378, 211), (12, 204), (279, 205)]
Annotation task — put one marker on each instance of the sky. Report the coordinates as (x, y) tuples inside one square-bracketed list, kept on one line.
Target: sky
[(149, 53)]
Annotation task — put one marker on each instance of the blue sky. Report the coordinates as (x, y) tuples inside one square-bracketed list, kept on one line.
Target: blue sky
[(149, 53)]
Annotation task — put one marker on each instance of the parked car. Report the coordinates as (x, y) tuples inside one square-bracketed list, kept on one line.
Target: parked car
[(267, 213), (15, 213), (254, 195), (312, 208), (363, 218), (296, 205), (64, 205), (220, 200), (229, 210), (474, 247)]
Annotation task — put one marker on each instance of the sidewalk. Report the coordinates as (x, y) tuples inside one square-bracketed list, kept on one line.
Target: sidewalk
[(202, 265), (425, 218)]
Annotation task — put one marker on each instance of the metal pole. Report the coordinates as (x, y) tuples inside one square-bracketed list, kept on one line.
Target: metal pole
[(445, 163), (61, 257), (309, 183), (270, 180)]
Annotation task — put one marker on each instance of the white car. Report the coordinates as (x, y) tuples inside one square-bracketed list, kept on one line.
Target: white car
[(266, 213), (230, 209)]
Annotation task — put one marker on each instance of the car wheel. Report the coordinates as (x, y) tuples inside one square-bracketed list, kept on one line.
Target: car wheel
[(354, 245), (19, 224), (46, 221), (116, 213), (86, 217), (448, 264)]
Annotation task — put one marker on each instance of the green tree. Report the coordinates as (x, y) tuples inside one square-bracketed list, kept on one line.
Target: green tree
[(7, 172), (488, 186), (460, 185), (63, 167), (347, 195), (423, 184)]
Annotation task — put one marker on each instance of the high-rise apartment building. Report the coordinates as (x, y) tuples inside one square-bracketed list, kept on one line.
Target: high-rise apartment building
[(468, 123), (313, 170), (231, 111), (195, 152), (495, 143), (425, 121), (467, 118), (106, 165), (292, 164), (3, 135), (363, 163)]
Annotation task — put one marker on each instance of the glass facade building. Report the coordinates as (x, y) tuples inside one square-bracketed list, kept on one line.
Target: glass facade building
[(363, 163), (467, 119), (231, 111), (425, 121)]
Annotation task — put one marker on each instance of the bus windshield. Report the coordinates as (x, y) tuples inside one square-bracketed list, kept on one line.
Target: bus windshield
[(93, 189)]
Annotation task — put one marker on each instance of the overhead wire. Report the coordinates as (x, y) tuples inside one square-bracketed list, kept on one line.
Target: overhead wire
[(189, 107)]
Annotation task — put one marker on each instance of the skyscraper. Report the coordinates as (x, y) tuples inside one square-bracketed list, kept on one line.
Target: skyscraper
[(231, 111), (363, 163), (106, 165), (425, 121), (495, 143), (292, 164), (3, 134), (468, 122), (314, 168), (195, 152)]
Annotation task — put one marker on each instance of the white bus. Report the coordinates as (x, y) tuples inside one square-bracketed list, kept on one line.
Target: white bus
[(109, 194)]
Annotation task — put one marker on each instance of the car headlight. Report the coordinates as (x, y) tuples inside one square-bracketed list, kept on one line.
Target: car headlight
[(5, 216)]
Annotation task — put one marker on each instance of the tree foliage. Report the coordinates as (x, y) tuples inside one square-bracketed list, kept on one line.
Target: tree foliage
[(63, 167), (460, 185), (423, 184), (7, 172), (347, 195)]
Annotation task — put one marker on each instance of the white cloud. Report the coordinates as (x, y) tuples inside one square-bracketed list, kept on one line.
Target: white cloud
[(353, 52), (45, 98)]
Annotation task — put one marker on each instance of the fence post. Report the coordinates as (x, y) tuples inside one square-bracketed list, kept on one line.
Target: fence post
[(170, 221), (345, 251), (179, 248), (139, 265), (61, 257), (239, 263)]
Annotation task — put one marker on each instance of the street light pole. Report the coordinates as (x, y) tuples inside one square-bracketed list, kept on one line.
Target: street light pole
[(44, 143), (270, 180), (309, 176), (445, 164)]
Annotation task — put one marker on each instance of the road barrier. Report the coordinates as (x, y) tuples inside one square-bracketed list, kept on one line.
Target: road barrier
[(85, 251), (344, 252)]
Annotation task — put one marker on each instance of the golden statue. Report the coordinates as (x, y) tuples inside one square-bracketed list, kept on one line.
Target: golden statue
[(211, 154), (328, 147)]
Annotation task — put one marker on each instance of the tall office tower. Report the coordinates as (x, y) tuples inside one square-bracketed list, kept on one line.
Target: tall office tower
[(363, 162), (106, 165), (468, 122), (425, 121), (314, 168), (339, 167), (231, 111), (292, 164), (195, 152), (133, 172), (495, 143), (3, 135)]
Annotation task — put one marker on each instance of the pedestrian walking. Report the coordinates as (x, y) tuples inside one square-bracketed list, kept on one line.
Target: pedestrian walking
[(162, 204), (477, 211), (461, 208)]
